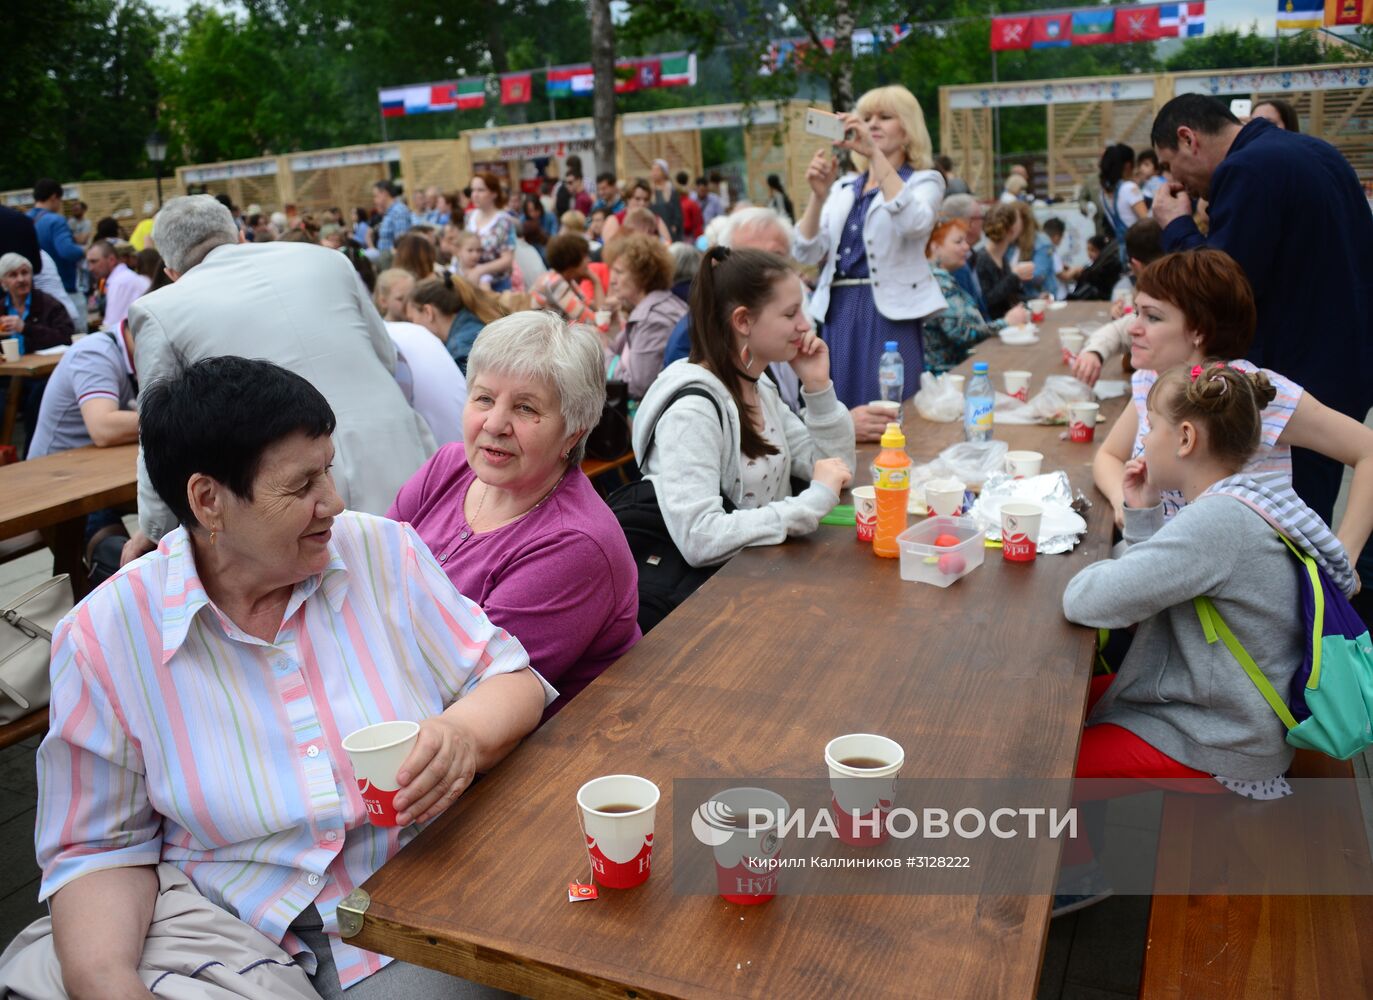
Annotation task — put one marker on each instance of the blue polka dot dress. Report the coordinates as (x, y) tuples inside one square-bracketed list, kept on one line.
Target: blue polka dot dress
[(854, 330)]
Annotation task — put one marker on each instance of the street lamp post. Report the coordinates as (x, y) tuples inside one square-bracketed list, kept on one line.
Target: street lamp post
[(156, 147)]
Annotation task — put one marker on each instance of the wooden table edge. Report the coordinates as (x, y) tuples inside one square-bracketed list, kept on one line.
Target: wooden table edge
[(49, 516), (491, 965)]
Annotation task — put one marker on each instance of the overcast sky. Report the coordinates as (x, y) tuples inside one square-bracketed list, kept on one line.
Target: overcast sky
[(1239, 14)]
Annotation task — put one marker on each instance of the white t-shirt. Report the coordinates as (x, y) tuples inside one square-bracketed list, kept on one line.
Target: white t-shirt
[(1128, 195), (440, 389)]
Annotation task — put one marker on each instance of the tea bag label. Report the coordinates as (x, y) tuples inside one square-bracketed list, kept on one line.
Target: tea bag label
[(580, 892)]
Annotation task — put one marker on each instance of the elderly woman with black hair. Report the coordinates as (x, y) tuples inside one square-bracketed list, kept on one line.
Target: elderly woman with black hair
[(513, 519), (201, 695)]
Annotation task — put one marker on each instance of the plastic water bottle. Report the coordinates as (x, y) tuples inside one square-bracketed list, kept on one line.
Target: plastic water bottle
[(891, 376), (978, 402)]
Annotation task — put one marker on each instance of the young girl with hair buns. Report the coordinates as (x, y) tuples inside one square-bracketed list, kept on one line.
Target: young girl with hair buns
[(1180, 708)]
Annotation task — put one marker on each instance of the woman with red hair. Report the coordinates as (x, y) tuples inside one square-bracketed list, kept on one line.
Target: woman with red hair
[(950, 335)]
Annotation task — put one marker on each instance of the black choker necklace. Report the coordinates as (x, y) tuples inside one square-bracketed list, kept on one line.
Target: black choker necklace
[(749, 378)]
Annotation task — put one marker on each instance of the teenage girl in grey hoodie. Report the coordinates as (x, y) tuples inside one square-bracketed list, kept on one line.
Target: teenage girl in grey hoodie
[(746, 313), (1180, 707)]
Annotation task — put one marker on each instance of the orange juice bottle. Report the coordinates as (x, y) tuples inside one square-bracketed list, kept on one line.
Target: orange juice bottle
[(891, 477)]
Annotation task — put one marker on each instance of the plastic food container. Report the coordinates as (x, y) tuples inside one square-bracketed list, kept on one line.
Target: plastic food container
[(924, 562)]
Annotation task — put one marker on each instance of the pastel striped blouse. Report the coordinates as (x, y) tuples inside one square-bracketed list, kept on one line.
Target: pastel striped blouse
[(178, 737), (1271, 457)]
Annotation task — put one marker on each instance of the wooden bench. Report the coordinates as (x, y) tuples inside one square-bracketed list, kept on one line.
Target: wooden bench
[(33, 724), (595, 467), (1219, 947)]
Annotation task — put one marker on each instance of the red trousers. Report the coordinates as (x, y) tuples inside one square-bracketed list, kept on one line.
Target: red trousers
[(1111, 752)]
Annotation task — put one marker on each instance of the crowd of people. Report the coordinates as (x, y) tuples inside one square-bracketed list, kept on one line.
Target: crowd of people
[(361, 494)]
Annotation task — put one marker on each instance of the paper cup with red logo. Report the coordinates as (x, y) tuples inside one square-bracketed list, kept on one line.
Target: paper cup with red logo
[(865, 511), (1022, 464), (863, 771), (1082, 421), (1018, 384), (1020, 531), (957, 382), (377, 752), (741, 825), (617, 824), (944, 497), (1072, 340), (1037, 308)]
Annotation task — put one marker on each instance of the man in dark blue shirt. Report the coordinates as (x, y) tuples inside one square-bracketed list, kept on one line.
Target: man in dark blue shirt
[(1290, 210)]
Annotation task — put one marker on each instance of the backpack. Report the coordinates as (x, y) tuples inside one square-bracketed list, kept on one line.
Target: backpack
[(1329, 707), (666, 579)]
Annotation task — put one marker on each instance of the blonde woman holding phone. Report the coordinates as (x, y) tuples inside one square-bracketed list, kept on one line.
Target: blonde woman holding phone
[(868, 234)]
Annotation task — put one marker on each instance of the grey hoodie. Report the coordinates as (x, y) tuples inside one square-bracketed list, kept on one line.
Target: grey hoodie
[(1181, 695), (694, 460)]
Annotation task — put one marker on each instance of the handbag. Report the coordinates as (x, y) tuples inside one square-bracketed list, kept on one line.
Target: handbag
[(610, 438), (26, 626), (666, 579)]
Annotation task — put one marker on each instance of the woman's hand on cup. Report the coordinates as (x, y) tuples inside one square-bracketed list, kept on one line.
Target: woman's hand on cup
[(439, 768), (1139, 494), (822, 172), (1087, 367), (1017, 316), (832, 472), (812, 363), (869, 423), (1025, 270), (11, 324)]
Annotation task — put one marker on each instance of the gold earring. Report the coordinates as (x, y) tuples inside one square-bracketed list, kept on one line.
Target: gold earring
[(212, 537)]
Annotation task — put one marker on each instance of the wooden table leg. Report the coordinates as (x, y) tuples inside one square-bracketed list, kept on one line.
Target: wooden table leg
[(68, 543), (11, 409)]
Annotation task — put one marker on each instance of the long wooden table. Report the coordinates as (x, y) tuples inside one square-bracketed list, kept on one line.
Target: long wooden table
[(785, 648), (53, 495), (27, 366)]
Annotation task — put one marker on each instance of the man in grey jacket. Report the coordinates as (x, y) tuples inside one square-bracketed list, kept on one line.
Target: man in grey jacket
[(294, 304)]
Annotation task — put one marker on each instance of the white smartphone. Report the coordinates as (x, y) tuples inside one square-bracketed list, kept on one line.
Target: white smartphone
[(826, 125), (1241, 107)]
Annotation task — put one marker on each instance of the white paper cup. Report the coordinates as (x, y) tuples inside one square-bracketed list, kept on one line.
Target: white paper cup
[(1082, 421), (1022, 464), (1069, 331), (886, 406), (602, 319), (10, 348), (723, 823), (944, 497), (1020, 531), (957, 381), (377, 752), (1018, 384), (865, 511), (862, 795), (1037, 307), (620, 842)]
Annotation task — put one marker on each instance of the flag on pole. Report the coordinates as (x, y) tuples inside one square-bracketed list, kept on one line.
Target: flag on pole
[(677, 70), (471, 93), (423, 99), (1051, 31), (517, 88), (1096, 27), (1182, 20), (1137, 24), (1010, 33), (1344, 13), (1300, 13)]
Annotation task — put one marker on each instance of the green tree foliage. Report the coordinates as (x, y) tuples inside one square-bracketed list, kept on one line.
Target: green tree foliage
[(1230, 49), (80, 89)]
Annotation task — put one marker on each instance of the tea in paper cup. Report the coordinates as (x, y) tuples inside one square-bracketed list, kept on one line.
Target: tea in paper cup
[(863, 771), (377, 752), (1082, 421), (944, 497), (1022, 464), (743, 828), (617, 813), (1018, 384), (1020, 531), (865, 511)]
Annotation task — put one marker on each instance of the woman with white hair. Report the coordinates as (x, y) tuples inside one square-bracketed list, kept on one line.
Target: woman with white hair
[(509, 513), (34, 317), (870, 233)]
